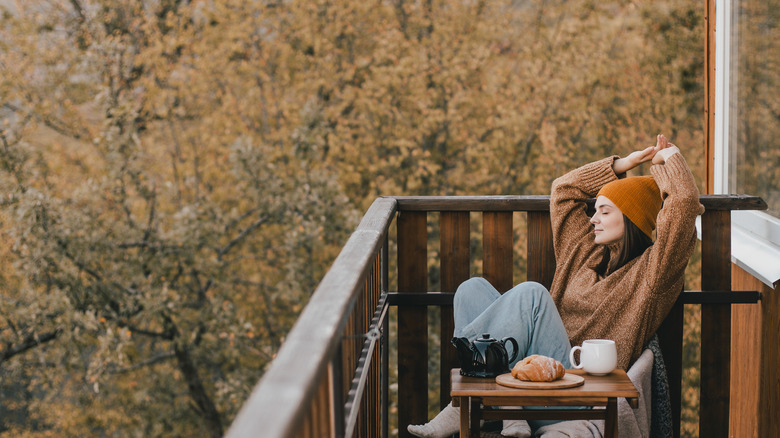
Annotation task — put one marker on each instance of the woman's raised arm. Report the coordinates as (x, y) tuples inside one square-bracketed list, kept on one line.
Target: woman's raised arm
[(634, 159)]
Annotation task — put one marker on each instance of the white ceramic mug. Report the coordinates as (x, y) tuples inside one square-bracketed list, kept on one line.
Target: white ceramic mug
[(597, 356)]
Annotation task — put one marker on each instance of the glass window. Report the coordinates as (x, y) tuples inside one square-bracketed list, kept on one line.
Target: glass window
[(747, 127), (754, 119)]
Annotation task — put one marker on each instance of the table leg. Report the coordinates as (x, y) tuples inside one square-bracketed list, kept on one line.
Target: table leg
[(611, 423), (464, 415), (475, 417)]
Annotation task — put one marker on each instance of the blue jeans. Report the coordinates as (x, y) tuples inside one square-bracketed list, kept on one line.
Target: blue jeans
[(526, 312)]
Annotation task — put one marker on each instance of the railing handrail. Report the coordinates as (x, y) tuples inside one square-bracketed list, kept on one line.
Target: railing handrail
[(542, 203), (277, 404)]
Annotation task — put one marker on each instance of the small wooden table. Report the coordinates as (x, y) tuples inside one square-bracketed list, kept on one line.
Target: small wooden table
[(472, 394)]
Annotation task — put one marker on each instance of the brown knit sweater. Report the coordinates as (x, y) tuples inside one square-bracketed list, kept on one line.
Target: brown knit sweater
[(629, 304)]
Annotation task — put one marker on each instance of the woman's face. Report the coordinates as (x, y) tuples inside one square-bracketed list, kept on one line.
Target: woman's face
[(607, 222)]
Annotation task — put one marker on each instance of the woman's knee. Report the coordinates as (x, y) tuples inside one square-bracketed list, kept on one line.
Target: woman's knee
[(475, 285), (532, 292), (475, 290), (530, 288)]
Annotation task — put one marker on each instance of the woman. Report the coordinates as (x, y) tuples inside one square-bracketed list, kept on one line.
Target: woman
[(611, 280)]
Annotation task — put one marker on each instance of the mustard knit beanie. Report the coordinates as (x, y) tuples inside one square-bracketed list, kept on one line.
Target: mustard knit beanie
[(638, 198)]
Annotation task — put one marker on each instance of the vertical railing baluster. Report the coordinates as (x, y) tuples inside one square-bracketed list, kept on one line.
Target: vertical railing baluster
[(336, 392), (455, 269), (348, 360), (323, 403), (540, 256), (497, 242), (378, 368), (412, 321), (373, 403)]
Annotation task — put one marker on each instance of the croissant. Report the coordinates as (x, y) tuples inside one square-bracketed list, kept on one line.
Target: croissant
[(538, 368)]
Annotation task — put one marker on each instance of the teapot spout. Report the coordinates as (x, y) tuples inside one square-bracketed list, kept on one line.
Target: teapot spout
[(462, 344), (465, 352)]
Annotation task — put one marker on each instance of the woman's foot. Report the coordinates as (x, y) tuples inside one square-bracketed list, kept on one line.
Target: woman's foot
[(516, 428), (443, 425)]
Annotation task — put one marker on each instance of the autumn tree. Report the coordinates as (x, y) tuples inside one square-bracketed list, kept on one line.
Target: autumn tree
[(177, 175), (156, 233)]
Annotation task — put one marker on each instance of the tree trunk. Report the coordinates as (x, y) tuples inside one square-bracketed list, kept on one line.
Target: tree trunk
[(198, 392)]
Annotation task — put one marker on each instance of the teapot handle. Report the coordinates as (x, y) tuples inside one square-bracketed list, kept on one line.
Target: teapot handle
[(515, 348)]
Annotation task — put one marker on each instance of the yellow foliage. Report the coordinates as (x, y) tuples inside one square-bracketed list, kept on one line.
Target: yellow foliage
[(200, 164)]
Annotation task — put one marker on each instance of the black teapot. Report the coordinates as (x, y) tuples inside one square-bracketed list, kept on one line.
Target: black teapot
[(485, 357)]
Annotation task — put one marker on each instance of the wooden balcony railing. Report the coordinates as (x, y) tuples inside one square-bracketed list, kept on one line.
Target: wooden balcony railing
[(330, 378)]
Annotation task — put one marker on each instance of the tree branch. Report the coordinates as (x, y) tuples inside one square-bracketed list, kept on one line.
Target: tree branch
[(237, 220), (78, 8), (150, 223), (160, 357), (200, 397), (29, 342), (53, 124), (240, 237)]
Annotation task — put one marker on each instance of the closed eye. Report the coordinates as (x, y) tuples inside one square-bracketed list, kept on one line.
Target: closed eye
[(604, 209)]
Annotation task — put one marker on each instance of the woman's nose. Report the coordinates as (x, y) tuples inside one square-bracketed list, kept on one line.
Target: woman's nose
[(593, 219)]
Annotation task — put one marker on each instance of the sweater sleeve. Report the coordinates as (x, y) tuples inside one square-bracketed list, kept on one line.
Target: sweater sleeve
[(675, 234), (571, 226)]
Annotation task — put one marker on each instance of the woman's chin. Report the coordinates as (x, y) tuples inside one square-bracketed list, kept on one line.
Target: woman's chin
[(601, 241)]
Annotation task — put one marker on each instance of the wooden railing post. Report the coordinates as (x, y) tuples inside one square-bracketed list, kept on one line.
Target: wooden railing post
[(497, 243), (715, 325), (541, 255), (455, 265), (412, 321)]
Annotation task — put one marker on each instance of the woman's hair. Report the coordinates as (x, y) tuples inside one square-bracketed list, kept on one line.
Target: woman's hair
[(635, 242)]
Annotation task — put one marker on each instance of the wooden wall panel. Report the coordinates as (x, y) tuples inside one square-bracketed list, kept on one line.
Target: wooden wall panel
[(745, 369), (769, 420), (755, 386)]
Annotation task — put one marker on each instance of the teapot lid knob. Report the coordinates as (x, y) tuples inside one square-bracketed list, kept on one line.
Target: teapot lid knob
[(486, 338)]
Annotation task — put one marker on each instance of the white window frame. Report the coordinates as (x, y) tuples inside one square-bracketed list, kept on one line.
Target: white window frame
[(755, 236)]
